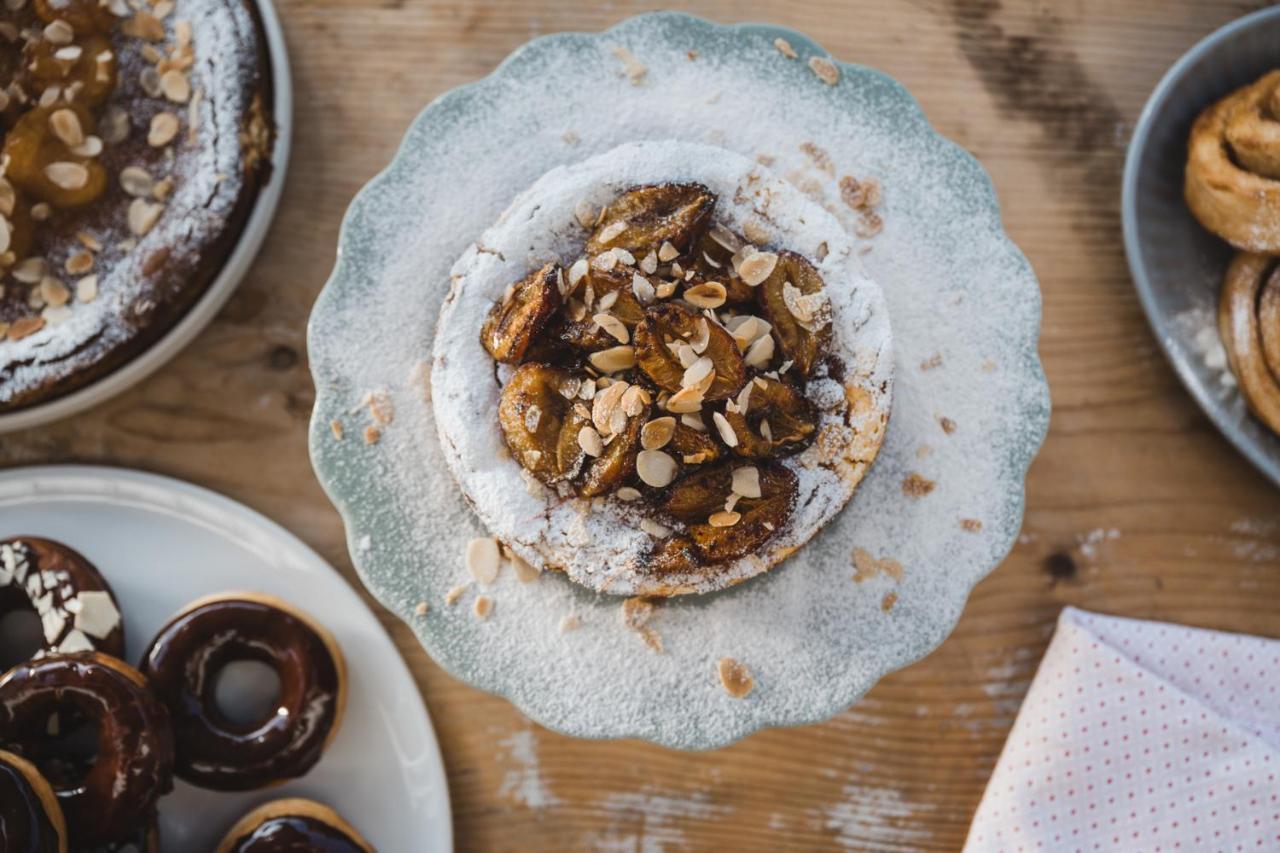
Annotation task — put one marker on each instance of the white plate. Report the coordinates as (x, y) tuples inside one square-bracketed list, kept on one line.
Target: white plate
[(162, 543), (217, 294)]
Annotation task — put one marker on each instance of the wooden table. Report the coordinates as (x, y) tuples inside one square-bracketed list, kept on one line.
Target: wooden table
[(1136, 505)]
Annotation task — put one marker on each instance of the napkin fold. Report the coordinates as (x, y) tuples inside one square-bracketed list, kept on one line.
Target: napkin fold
[(1140, 736)]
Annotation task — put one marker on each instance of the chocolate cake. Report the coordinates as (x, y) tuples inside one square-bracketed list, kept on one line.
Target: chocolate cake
[(137, 136)]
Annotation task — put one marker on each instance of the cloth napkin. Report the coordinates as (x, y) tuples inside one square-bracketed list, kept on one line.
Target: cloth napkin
[(1140, 736)]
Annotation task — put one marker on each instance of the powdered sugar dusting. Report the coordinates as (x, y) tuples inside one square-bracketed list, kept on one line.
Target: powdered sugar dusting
[(813, 639), (601, 545)]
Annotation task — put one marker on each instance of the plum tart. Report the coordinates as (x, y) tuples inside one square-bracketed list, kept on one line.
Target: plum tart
[(662, 371), (137, 136)]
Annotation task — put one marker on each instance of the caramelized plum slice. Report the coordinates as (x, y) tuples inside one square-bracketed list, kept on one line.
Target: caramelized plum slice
[(668, 328), (540, 421), (613, 468), (792, 299), (643, 218), (43, 166), (610, 293), (778, 419), (700, 496), (693, 447), (522, 313)]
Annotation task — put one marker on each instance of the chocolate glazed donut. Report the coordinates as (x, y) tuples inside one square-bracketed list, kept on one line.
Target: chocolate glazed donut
[(30, 818), (286, 826), (77, 610), (134, 763), (183, 664)]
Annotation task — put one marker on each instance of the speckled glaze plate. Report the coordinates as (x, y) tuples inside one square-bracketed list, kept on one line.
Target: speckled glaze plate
[(970, 402), (162, 544)]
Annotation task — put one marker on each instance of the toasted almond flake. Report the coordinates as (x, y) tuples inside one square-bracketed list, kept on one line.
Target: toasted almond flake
[(585, 212), (734, 677), (67, 176), (755, 268), (56, 314), (421, 609), (164, 127), (29, 271), (483, 559), (50, 96), (614, 359), (144, 25), (667, 252), (79, 263), (6, 235), (711, 294), (451, 597), (149, 79), (54, 292), (654, 529), (655, 468), (685, 400), (59, 32), (175, 86), (372, 435), (612, 326), (606, 404), (697, 372), (590, 442), (25, 327), (724, 519), (727, 435), (754, 231), (826, 70), (65, 125), (604, 303), (627, 493), (483, 606), (766, 431), (114, 126), (577, 272), (338, 430), (612, 231), (143, 216), (41, 211), (70, 53), (525, 571), (693, 421), (759, 353), (569, 623), (136, 181), (784, 47), (665, 289), (657, 433), (91, 147)]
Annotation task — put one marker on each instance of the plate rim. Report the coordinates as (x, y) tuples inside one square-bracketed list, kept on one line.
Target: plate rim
[(1217, 414), (33, 475), (1038, 411), (224, 285)]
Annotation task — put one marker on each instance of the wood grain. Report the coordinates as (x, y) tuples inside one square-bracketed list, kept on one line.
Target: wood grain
[(1136, 506)]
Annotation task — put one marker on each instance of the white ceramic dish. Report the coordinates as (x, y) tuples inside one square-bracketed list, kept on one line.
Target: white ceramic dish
[(218, 292), (162, 543)]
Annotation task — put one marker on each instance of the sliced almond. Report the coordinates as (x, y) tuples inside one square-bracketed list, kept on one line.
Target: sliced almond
[(67, 176), (79, 263), (143, 215), (590, 442), (759, 353), (656, 433), (634, 400), (164, 127), (483, 559), (175, 86), (483, 606), (746, 481), (136, 181), (54, 292), (65, 125), (626, 493), (696, 374), (87, 289), (825, 69), (667, 252), (685, 400), (711, 294), (724, 519), (734, 677), (612, 326), (726, 432), (614, 359), (655, 468), (754, 269)]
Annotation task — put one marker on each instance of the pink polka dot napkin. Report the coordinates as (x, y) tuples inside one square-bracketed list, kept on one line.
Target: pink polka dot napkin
[(1140, 736)]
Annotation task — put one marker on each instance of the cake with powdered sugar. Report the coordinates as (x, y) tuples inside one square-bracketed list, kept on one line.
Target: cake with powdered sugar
[(137, 136), (662, 370)]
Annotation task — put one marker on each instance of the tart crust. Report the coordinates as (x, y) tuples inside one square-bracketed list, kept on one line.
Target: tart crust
[(600, 543)]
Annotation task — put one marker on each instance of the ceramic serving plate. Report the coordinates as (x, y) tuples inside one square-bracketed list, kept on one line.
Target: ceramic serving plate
[(162, 544), (223, 286), (940, 508), (1177, 265)]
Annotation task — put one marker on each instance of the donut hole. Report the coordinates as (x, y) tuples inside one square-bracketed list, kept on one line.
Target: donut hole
[(68, 748), (21, 636), (246, 692)]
